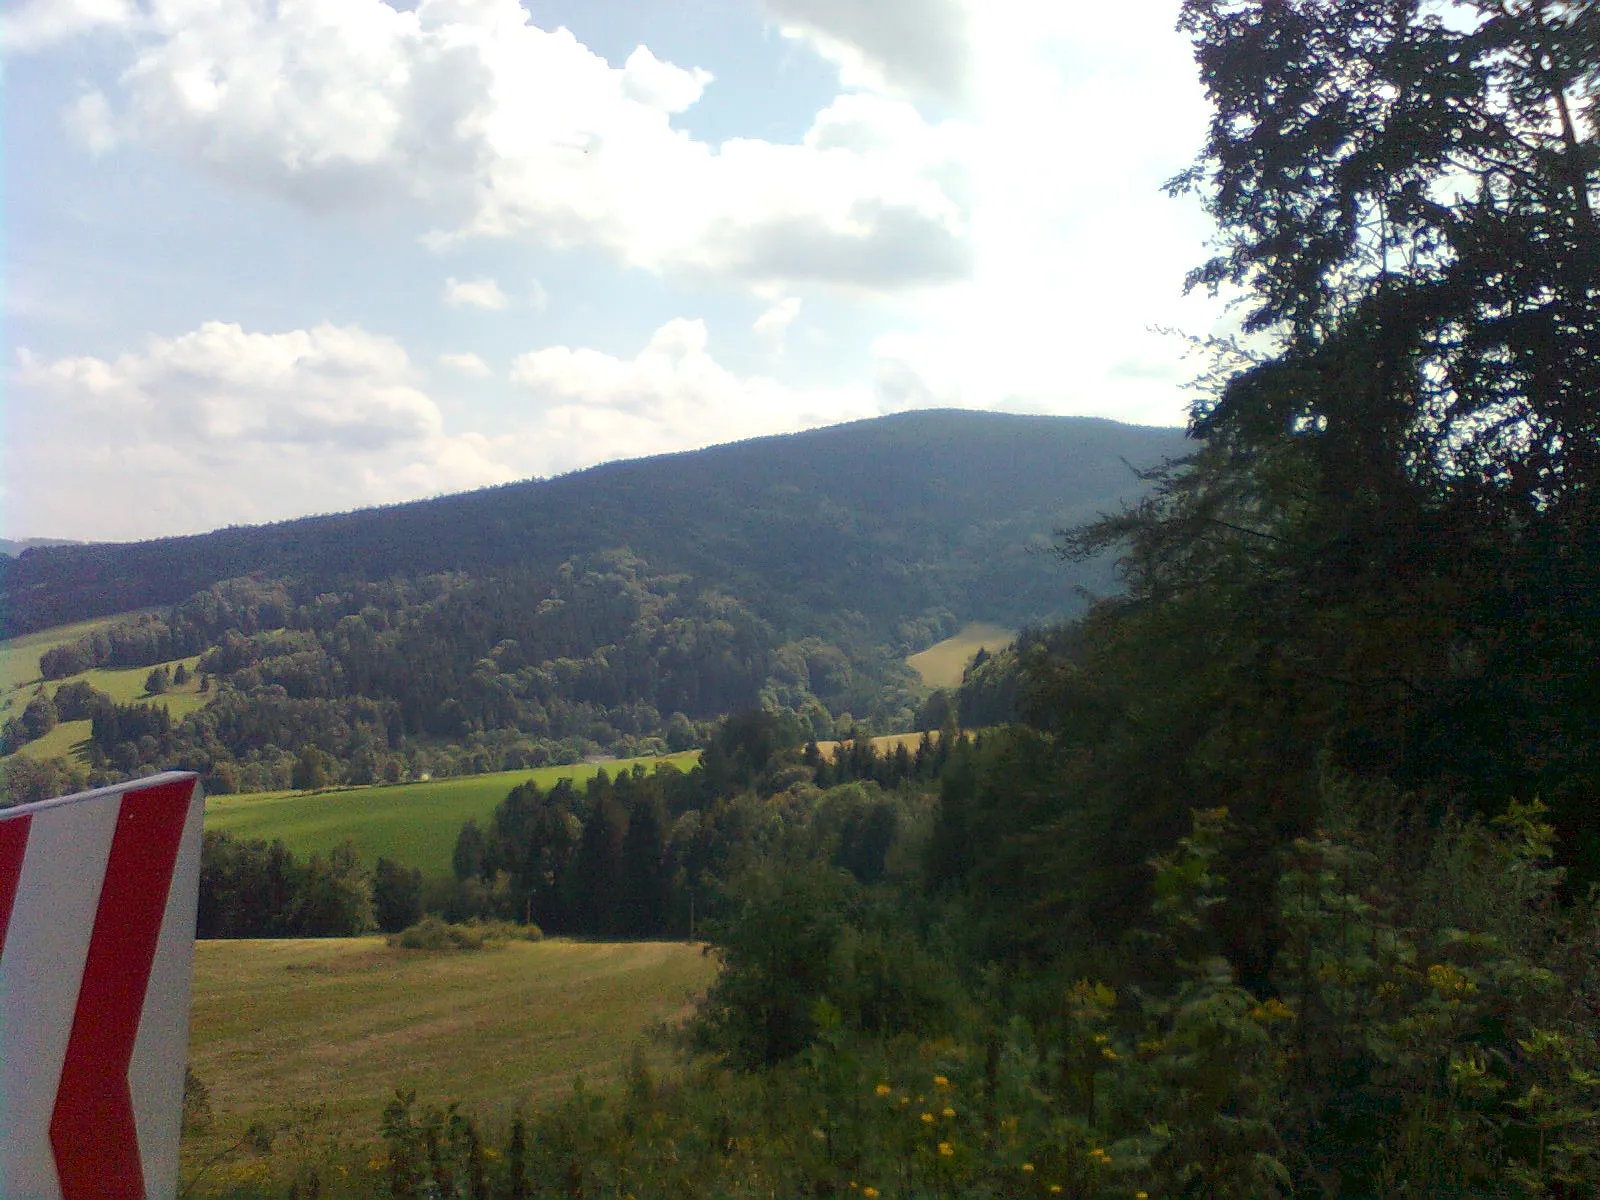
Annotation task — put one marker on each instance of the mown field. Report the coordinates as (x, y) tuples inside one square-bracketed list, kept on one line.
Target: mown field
[(279, 1028), (412, 823), (941, 665), (885, 745)]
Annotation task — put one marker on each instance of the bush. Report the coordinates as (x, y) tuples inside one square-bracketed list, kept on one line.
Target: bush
[(432, 933)]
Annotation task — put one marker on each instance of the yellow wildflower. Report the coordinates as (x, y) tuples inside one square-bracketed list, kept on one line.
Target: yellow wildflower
[(948, 1112), (927, 1118), (870, 1193), (1108, 1052), (1027, 1168), (940, 1081), (883, 1089), (1055, 1189), (946, 1150)]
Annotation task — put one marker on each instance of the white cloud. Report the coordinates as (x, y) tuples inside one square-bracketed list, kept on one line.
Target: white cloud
[(35, 24), (502, 129), (89, 120), (467, 364), (474, 293), (673, 395), (915, 47), (222, 425), (649, 81), (538, 298), (773, 324)]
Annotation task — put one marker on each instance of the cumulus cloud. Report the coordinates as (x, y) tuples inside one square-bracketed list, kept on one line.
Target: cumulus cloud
[(673, 395), (467, 364), (35, 24), (661, 85), (502, 129), (221, 425), (474, 293), (773, 324), (914, 47)]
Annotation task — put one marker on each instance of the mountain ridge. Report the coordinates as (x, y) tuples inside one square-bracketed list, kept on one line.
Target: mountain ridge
[(885, 486)]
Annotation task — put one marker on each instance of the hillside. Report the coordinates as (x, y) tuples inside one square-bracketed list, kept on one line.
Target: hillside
[(887, 517), (616, 611)]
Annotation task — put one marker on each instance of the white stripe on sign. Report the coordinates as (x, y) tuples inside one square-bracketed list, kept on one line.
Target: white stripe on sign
[(41, 967), (95, 958)]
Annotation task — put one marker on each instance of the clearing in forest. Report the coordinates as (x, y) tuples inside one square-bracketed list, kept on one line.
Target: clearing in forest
[(941, 665), (19, 678)]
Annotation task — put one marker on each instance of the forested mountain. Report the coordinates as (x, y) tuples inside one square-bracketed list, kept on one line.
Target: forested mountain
[(886, 518), (619, 610), (10, 548)]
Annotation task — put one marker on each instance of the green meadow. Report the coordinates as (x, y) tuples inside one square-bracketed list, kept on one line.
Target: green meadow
[(281, 1027), (941, 665), (411, 823), (19, 676)]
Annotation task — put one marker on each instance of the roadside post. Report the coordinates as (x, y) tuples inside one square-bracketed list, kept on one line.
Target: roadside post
[(97, 919)]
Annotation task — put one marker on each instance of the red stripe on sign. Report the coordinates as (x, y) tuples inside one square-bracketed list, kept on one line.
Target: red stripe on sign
[(92, 1129), (13, 842)]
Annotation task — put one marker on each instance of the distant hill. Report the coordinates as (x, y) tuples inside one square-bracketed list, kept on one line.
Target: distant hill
[(10, 548), (887, 518), (618, 610)]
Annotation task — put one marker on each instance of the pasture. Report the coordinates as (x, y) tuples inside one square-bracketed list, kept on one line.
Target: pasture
[(281, 1027), (942, 664), (411, 823), (19, 676)]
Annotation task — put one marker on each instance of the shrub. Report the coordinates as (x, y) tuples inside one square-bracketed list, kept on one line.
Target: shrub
[(433, 933)]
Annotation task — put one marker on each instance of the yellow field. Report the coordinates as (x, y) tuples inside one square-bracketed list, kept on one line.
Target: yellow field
[(281, 1026), (883, 745), (941, 665)]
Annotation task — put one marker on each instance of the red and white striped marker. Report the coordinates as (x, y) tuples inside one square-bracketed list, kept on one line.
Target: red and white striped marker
[(97, 913)]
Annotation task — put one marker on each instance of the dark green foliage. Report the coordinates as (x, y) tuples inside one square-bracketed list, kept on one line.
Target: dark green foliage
[(38, 718), (24, 779), (80, 701), (466, 860), (644, 886), (777, 945), (257, 889), (396, 896)]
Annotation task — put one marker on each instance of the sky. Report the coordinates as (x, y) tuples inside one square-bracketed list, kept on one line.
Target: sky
[(268, 258)]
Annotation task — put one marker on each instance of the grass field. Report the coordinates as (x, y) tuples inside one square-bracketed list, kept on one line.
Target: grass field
[(284, 1025), (941, 665), (19, 656), (19, 676), (412, 823)]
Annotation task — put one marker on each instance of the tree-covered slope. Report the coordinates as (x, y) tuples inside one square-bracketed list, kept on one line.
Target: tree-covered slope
[(885, 518)]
